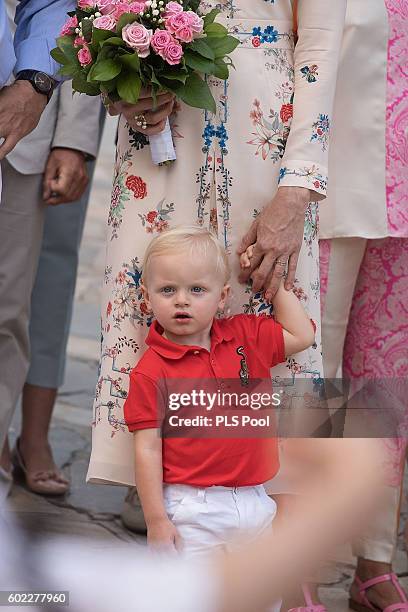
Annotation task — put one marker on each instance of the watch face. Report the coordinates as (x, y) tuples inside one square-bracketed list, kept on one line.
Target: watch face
[(43, 82)]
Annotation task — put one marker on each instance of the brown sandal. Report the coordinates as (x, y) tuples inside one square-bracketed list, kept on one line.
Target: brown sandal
[(43, 482)]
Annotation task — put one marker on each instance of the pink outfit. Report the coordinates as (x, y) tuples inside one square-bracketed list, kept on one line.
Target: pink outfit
[(364, 282), (397, 119)]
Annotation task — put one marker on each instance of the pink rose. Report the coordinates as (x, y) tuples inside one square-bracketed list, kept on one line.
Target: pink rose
[(172, 9), (79, 41), (125, 7), (119, 9), (160, 41), (196, 22), (176, 22), (137, 7), (83, 4), (137, 37), (186, 34), (106, 7), (84, 56), (173, 53), (69, 25), (106, 22)]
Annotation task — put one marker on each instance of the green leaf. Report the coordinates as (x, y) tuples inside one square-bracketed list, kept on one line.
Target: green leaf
[(199, 63), (131, 61), (173, 86), (59, 56), (106, 53), (81, 13), (104, 70), (66, 45), (174, 76), (68, 70), (80, 84), (114, 40), (154, 80), (86, 25), (223, 46), (191, 5), (99, 35), (221, 70), (201, 47), (108, 86), (211, 16), (196, 93), (155, 90), (124, 20), (129, 86), (216, 30)]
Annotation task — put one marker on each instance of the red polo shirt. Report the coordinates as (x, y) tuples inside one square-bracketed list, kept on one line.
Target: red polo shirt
[(208, 461)]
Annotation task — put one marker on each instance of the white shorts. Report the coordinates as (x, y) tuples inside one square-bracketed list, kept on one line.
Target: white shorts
[(217, 517)]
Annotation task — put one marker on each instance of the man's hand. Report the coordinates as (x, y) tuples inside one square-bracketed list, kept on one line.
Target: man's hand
[(277, 235), (20, 111), (65, 176), (155, 115), (162, 535)]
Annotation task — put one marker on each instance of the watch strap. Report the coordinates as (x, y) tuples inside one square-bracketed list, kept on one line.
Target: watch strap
[(29, 75)]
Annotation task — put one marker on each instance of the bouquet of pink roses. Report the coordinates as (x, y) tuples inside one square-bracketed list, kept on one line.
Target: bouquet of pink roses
[(116, 47)]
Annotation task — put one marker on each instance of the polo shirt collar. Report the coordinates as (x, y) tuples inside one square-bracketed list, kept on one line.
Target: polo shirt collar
[(170, 350)]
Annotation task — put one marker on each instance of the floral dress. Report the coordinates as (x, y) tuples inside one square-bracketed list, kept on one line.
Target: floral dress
[(271, 128)]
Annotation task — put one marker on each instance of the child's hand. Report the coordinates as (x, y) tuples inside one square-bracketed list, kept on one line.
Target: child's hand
[(162, 535), (245, 258)]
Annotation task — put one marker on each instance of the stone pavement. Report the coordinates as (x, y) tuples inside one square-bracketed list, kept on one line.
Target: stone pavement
[(93, 510), (88, 509)]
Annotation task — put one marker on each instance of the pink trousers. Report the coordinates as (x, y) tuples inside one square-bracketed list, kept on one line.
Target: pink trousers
[(364, 290)]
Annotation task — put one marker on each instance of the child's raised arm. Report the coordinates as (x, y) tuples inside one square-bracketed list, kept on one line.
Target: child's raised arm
[(298, 330), (149, 483)]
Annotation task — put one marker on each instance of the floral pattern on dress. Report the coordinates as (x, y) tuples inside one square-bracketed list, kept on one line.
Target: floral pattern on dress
[(137, 140), (121, 194), (137, 186), (215, 139), (272, 132), (280, 62), (321, 131), (311, 228), (310, 73), (229, 7), (265, 35), (157, 220), (311, 174), (256, 303)]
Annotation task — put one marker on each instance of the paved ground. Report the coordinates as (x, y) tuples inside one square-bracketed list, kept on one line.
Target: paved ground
[(93, 510)]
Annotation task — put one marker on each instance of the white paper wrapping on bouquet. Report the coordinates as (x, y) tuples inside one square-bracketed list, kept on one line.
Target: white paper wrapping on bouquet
[(162, 146)]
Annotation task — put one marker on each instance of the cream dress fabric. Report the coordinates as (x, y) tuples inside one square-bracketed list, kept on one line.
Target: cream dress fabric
[(357, 202), (229, 166)]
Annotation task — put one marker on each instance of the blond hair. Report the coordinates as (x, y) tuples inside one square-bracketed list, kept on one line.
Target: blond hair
[(197, 241)]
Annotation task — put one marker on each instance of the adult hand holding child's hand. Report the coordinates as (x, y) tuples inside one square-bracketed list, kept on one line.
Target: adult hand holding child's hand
[(276, 236), (162, 535)]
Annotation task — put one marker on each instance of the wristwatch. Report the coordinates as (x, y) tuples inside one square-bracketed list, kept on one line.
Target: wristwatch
[(41, 82)]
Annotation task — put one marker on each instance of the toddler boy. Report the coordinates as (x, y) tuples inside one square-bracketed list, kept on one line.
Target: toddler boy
[(200, 493)]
